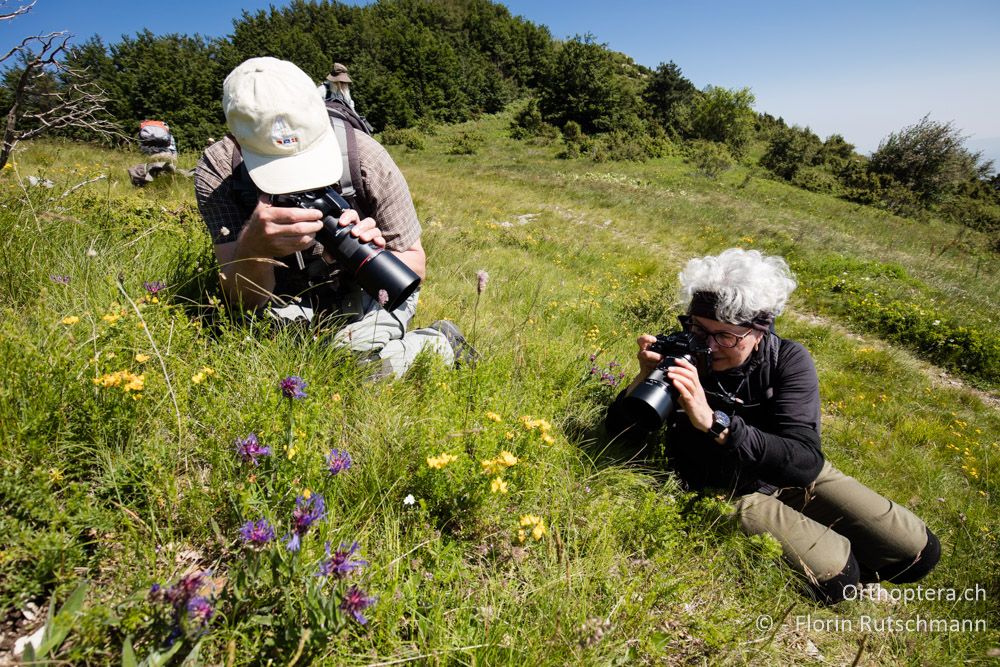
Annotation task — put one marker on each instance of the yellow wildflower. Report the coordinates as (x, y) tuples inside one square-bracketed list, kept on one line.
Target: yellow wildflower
[(494, 417), (142, 358), (498, 485), (111, 318), (507, 459), (124, 379), (55, 474), (306, 493), (201, 375), (509, 435), (72, 319), (134, 383), (537, 525), (547, 439), (336, 397), (441, 460)]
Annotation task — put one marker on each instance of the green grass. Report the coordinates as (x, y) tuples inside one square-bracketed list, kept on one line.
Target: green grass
[(582, 258)]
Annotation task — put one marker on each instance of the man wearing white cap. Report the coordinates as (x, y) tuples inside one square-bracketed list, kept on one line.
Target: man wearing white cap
[(282, 141)]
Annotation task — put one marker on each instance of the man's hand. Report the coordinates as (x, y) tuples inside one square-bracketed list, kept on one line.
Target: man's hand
[(365, 230), (684, 376), (276, 231)]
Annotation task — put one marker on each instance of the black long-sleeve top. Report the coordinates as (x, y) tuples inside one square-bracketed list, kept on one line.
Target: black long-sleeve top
[(774, 435)]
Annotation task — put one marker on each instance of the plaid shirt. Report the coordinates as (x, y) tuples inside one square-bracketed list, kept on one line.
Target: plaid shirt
[(389, 201)]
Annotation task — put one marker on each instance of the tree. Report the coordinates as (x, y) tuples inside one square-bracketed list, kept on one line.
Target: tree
[(720, 114), (929, 158), (43, 94), (790, 149), (666, 89), (587, 85)]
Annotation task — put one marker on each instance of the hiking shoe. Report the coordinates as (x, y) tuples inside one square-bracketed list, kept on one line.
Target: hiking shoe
[(464, 353)]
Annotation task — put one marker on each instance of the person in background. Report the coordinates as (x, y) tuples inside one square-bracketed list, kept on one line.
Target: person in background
[(158, 144)]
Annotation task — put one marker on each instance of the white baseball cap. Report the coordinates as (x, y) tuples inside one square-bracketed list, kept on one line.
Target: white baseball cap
[(282, 126)]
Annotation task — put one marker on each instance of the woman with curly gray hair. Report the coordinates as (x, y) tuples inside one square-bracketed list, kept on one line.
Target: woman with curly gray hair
[(749, 426)]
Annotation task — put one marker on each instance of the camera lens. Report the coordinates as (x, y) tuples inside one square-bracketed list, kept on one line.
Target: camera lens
[(652, 402)]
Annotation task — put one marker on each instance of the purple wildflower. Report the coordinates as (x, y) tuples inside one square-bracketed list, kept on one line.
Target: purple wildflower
[(338, 460), (154, 286), (355, 601), (59, 280), (307, 512), (292, 386), (257, 534), (185, 589), (339, 564), (200, 610), (481, 278), (249, 449), (383, 297)]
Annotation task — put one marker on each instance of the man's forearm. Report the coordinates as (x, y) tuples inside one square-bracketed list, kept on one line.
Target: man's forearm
[(248, 279), (415, 258)]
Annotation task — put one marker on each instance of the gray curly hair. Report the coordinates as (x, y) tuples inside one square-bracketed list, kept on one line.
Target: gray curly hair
[(745, 285)]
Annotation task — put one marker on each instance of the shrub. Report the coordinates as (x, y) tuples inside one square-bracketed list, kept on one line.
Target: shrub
[(816, 179), (791, 149), (575, 141), (409, 137), (711, 158), (466, 143), (623, 145), (929, 159), (721, 115), (528, 122)]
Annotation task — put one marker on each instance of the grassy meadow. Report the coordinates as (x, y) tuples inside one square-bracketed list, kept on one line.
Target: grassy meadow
[(537, 541)]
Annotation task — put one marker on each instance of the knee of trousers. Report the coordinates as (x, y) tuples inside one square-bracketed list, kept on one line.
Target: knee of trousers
[(816, 552), (832, 590), (910, 570)]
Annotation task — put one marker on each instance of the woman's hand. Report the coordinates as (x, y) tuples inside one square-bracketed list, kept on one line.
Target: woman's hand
[(684, 376), (647, 361)]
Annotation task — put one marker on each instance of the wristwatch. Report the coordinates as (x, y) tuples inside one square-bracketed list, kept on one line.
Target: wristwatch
[(720, 422)]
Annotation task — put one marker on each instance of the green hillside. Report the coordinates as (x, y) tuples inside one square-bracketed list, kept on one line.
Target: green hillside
[(119, 411)]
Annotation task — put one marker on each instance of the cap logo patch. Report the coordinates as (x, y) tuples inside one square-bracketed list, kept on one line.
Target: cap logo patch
[(281, 134)]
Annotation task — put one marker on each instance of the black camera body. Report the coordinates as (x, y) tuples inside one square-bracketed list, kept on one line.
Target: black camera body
[(654, 401), (373, 267)]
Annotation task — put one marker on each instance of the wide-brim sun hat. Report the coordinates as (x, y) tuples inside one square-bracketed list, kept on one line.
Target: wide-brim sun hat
[(282, 127)]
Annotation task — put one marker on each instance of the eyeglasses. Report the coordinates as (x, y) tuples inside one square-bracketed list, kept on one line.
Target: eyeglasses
[(725, 339)]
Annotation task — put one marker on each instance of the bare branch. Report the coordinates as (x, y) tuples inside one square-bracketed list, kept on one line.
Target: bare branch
[(68, 101), (23, 9)]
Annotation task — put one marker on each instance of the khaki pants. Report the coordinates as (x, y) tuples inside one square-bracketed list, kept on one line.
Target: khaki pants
[(380, 335), (821, 526)]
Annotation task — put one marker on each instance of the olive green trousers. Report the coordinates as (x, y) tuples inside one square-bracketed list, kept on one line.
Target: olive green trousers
[(822, 525)]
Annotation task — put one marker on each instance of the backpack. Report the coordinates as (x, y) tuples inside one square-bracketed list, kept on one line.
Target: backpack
[(155, 137), (336, 107)]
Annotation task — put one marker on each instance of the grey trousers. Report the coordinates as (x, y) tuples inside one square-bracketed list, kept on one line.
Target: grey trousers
[(821, 525), (379, 335)]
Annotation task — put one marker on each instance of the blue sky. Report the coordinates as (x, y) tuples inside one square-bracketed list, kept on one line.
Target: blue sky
[(860, 68)]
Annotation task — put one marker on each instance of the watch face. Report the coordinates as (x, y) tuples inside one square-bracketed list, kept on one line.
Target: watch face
[(721, 419)]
